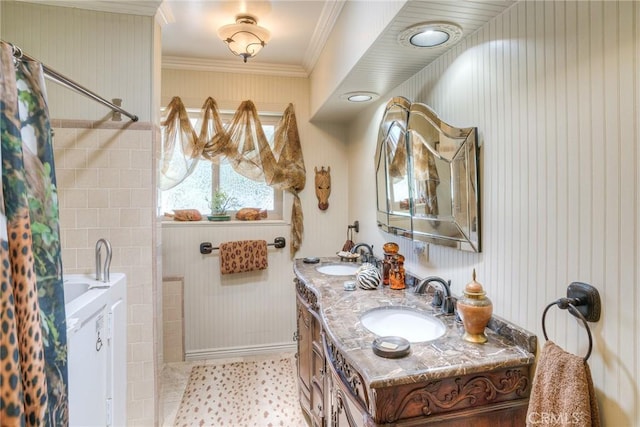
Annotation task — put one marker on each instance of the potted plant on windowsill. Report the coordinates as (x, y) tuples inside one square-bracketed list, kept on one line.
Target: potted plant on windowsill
[(219, 204)]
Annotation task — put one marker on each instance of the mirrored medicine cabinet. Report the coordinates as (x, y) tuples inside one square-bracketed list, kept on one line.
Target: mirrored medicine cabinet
[(427, 177)]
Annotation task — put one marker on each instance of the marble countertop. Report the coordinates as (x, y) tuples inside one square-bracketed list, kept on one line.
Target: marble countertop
[(447, 356)]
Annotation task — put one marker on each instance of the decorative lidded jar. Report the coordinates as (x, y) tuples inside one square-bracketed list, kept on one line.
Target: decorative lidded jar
[(475, 310), (397, 273), (390, 250)]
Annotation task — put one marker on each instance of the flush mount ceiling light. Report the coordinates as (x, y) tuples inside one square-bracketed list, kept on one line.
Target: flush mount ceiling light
[(244, 38), (360, 96), (430, 35)]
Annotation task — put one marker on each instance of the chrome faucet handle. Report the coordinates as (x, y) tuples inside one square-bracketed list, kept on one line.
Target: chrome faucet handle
[(102, 271)]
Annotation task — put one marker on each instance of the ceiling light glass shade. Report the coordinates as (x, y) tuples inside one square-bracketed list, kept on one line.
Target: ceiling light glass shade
[(430, 35), (429, 38), (360, 96), (244, 38)]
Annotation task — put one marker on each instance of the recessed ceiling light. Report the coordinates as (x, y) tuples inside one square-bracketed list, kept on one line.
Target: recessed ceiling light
[(360, 96), (430, 35)]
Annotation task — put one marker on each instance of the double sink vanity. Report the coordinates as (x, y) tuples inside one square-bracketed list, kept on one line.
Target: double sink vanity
[(443, 380)]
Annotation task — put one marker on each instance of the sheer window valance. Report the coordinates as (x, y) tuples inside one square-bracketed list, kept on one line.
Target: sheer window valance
[(243, 144)]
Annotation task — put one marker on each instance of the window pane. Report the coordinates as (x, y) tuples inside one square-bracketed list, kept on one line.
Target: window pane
[(249, 193), (196, 191), (192, 193)]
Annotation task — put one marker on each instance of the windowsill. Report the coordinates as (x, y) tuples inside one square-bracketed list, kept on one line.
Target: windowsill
[(167, 222)]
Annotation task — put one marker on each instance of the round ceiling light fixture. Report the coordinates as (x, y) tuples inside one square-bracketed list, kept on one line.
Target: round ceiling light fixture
[(244, 38), (430, 35), (360, 96)]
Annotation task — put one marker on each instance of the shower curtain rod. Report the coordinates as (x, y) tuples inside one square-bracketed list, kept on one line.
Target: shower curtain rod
[(70, 84)]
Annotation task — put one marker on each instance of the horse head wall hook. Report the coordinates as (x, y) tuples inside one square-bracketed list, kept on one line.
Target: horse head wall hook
[(323, 187)]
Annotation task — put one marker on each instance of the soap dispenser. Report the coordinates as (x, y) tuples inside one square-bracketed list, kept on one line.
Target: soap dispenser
[(475, 310)]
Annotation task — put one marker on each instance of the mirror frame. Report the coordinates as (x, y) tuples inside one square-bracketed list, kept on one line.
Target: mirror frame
[(461, 218), (396, 116)]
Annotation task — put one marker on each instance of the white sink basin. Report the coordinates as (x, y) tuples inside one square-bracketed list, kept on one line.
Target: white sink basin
[(404, 322), (73, 290), (338, 269)]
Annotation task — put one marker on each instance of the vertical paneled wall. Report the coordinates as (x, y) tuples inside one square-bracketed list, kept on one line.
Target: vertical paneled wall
[(233, 314), (553, 89), (117, 47), (252, 311)]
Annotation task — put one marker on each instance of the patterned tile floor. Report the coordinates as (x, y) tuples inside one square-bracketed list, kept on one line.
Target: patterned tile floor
[(175, 377)]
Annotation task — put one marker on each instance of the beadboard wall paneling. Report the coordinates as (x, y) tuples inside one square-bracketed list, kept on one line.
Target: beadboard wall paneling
[(553, 89), (108, 53), (221, 315), (234, 313)]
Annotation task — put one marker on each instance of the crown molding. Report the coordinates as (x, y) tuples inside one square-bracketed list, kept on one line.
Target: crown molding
[(232, 66), (139, 7), (328, 16), (165, 14)]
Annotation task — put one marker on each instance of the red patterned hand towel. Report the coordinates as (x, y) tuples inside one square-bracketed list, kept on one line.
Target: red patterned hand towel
[(243, 255)]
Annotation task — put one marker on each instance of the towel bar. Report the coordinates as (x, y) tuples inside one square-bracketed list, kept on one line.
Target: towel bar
[(207, 247), (582, 301)]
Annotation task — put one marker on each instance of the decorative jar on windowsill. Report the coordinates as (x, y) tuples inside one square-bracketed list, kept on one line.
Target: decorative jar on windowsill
[(475, 310)]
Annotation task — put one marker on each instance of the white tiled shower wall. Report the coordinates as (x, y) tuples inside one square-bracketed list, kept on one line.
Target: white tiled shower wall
[(106, 190)]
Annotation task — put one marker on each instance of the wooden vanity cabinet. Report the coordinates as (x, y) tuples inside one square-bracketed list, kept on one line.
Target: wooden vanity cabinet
[(311, 360), (333, 393)]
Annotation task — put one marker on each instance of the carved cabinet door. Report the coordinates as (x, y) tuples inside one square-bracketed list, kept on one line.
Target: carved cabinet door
[(304, 338), (344, 411)]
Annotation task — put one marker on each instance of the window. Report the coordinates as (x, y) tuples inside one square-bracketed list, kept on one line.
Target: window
[(197, 189)]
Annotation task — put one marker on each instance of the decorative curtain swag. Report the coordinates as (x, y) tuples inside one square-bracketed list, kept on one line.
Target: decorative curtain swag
[(243, 144)]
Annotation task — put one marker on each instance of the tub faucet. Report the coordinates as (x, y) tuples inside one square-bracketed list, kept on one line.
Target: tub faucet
[(442, 298), (370, 257), (102, 271)]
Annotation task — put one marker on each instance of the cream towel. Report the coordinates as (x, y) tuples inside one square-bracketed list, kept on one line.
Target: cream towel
[(562, 393), (243, 255)]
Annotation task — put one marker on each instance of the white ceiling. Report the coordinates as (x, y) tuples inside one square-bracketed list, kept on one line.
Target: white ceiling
[(299, 30), (298, 33)]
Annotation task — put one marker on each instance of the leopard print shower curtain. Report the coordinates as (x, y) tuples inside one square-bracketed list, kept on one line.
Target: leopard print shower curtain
[(33, 342)]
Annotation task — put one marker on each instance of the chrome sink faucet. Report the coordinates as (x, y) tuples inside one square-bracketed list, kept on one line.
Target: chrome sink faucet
[(366, 257), (102, 271), (442, 298)]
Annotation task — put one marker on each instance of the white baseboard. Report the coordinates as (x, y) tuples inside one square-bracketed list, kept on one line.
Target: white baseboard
[(244, 351)]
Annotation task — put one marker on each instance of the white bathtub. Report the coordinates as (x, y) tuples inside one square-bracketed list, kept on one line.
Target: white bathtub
[(97, 349)]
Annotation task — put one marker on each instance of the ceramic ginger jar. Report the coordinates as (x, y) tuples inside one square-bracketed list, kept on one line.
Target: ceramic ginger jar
[(475, 310)]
